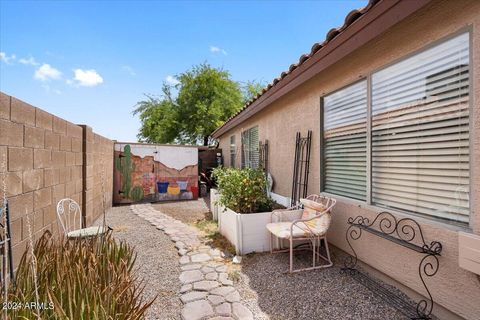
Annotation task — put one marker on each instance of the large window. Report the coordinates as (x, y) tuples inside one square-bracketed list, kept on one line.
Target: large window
[(250, 154), (233, 151), (417, 137), (345, 142)]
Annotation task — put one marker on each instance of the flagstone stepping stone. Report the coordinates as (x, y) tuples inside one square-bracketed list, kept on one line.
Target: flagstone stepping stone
[(197, 310), (214, 299), (224, 308), (241, 312), (222, 291), (207, 269), (205, 285), (185, 288), (200, 257), (191, 276), (233, 296), (211, 276), (206, 291), (192, 266), (192, 296), (184, 260), (223, 278)]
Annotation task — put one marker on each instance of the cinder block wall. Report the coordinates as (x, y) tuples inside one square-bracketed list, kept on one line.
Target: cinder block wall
[(46, 159), (98, 171)]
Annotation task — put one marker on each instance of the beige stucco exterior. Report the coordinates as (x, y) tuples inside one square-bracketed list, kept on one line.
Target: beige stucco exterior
[(453, 288)]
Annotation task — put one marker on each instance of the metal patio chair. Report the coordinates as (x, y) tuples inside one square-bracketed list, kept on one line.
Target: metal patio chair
[(67, 212), (309, 223)]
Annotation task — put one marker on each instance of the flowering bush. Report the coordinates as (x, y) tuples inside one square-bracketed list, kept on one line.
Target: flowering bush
[(243, 190)]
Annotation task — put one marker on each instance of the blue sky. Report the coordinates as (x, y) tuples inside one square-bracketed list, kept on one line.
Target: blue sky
[(90, 62)]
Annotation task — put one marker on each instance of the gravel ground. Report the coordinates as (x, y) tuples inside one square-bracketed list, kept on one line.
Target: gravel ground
[(264, 287), (157, 261), (319, 294), (188, 212)]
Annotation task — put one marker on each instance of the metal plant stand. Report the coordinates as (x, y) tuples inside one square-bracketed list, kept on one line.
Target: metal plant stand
[(301, 167), (407, 233)]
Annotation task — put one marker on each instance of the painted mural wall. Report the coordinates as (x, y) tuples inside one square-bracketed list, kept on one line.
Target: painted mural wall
[(150, 173)]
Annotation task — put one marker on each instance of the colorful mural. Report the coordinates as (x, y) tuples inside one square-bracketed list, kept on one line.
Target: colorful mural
[(150, 173)]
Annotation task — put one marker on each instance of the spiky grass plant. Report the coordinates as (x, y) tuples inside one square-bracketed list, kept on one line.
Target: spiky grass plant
[(79, 279)]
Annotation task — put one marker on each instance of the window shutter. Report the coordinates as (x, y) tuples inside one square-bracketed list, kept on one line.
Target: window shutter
[(345, 114), (420, 132)]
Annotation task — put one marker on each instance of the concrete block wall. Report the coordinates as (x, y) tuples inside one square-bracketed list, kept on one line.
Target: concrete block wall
[(98, 171), (44, 159)]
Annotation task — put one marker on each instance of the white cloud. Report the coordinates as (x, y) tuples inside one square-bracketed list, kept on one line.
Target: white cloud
[(171, 80), (6, 58), (49, 90), (86, 78), (129, 70), (47, 72), (214, 49), (30, 61)]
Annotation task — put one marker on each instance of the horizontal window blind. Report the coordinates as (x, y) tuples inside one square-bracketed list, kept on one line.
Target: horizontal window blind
[(233, 151), (420, 132), (250, 154), (345, 114)]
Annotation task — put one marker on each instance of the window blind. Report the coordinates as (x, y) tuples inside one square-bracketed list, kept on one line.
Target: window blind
[(345, 114), (420, 132), (233, 151), (250, 154)]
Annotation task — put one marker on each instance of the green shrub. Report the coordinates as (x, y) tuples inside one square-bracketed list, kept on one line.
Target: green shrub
[(243, 190), (79, 279)]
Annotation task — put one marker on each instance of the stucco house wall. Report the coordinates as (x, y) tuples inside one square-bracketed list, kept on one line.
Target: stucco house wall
[(456, 290)]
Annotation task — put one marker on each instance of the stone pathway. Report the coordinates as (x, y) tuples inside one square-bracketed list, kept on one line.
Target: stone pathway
[(206, 292)]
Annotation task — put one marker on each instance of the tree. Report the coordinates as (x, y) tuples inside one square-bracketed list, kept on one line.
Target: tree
[(250, 90), (206, 98)]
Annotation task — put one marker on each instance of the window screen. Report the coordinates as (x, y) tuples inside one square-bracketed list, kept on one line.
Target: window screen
[(420, 132), (345, 114)]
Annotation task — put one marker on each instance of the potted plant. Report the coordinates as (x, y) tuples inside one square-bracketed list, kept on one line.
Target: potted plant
[(244, 208)]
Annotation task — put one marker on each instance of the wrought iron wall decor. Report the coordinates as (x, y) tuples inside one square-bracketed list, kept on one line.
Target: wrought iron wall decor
[(301, 167), (5, 241), (263, 155), (407, 233)]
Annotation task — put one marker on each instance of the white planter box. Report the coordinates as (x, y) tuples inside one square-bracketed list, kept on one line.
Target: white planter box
[(247, 232), (214, 195)]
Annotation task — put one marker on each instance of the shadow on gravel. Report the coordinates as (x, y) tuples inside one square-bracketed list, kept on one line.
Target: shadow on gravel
[(317, 294)]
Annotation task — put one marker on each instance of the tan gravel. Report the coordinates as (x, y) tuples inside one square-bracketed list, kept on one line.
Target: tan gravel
[(188, 211), (157, 261), (318, 294)]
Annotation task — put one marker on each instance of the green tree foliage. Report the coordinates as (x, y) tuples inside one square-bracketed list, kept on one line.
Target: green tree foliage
[(250, 90), (206, 97)]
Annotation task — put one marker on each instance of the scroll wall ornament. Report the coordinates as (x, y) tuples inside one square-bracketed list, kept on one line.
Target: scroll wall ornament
[(405, 232)]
